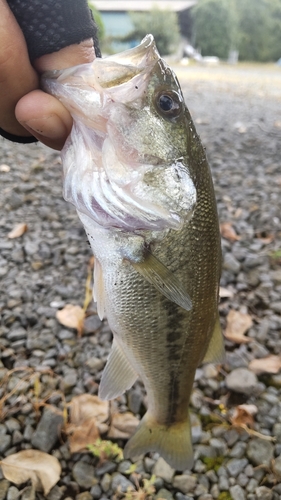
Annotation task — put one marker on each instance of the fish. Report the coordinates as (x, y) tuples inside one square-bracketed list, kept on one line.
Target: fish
[(137, 173)]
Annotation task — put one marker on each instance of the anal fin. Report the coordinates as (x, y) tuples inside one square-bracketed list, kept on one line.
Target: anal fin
[(98, 289), (164, 280), (215, 352), (118, 375)]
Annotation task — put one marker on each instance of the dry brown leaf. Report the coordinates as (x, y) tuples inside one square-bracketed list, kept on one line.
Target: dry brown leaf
[(270, 364), (237, 324), (228, 232), (123, 425), (86, 406), (81, 436), (225, 293), (42, 469), (87, 416), (18, 230), (72, 317), (243, 415)]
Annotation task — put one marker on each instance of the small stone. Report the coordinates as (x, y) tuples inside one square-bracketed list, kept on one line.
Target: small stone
[(4, 485), (165, 494), (134, 401), (219, 445), (106, 482), (163, 470), (196, 428), (12, 425), (124, 467), (13, 493), (96, 492), (95, 364), (121, 483), (235, 466), (276, 307), (223, 483), (230, 263), (241, 380), (148, 464), (107, 467), (86, 495), (242, 479), (28, 493), (180, 496), (5, 442), (55, 494), (252, 484), (47, 431), (83, 474), (277, 466), (260, 452), (238, 450), (185, 483), (263, 493), (237, 492)]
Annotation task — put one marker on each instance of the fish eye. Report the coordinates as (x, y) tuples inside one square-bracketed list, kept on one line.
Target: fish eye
[(168, 104)]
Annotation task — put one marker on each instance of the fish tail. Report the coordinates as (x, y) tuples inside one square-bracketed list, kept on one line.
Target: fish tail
[(172, 442)]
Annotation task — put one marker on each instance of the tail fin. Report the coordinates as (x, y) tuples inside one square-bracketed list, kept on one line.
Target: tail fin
[(173, 442)]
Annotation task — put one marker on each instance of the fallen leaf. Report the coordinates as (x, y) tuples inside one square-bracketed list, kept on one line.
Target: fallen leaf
[(86, 406), (41, 469), (228, 232), (87, 421), (225, 293), (72, 317), (237, 324), (270, 364), (243, 415), (81, 436), (18, 230), (4, 168), (123, 425)]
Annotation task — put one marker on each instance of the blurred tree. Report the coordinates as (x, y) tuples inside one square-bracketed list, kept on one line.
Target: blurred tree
[(99, 22), (162, 24), (215, 25), (253, 27), (259, 29)]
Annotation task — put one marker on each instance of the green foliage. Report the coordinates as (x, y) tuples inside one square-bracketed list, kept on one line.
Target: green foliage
[(162, 24), (224, 495), (259, 30), (99, 22), (253, 27), (143, 493), (213, 463), (106, 450), (215, 24)]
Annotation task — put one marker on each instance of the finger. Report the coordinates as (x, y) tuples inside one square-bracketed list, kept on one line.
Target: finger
[(43, 115), (17, 77), (45, 118), (72, 55)]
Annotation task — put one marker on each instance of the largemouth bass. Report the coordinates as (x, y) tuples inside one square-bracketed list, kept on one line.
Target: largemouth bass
[(136, 171)]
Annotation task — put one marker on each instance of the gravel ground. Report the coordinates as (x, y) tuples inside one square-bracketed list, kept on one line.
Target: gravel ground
[(237, 113)]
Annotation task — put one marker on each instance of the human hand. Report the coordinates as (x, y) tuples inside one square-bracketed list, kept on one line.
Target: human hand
[(25, 109)]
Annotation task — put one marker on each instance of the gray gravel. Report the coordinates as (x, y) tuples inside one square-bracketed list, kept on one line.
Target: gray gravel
[(237, 113)]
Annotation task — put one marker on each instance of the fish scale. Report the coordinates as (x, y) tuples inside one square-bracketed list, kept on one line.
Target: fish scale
[(138, 175)]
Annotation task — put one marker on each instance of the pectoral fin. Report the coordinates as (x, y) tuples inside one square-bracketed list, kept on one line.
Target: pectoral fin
[(118, 375), (164, 280), (215, 353)]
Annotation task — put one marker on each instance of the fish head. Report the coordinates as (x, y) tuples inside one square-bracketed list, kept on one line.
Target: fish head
[(126, 162)]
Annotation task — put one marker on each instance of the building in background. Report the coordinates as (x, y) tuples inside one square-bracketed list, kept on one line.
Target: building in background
[(117, 22)]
